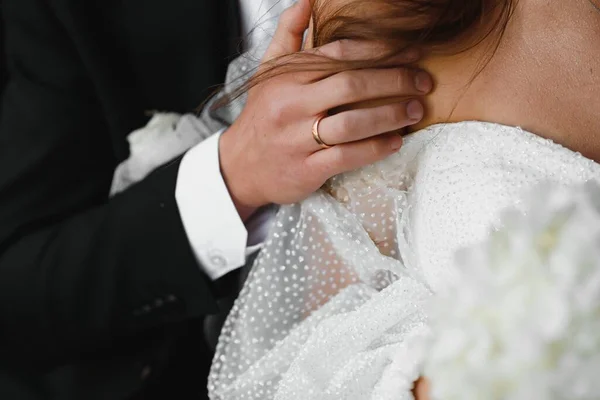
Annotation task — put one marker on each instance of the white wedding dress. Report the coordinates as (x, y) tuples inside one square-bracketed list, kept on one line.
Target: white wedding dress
[(336, 304)]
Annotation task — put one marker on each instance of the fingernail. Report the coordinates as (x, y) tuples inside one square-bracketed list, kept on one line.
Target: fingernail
[(423, 81), (396, 142), (414, 110)]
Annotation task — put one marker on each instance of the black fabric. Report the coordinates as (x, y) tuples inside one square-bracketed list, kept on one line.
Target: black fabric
[(3, 71), (100, 299)]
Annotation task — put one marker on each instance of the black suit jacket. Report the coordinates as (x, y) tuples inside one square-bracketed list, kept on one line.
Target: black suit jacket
[(100, 299)]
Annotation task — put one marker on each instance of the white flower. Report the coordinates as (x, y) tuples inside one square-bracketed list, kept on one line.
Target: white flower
[(523, 320)]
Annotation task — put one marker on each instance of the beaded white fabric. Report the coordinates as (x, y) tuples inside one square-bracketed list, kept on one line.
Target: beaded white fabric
[(336, 302)]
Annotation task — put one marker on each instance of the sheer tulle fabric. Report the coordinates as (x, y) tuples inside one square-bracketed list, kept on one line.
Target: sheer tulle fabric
[(311, 313), (336, 304)]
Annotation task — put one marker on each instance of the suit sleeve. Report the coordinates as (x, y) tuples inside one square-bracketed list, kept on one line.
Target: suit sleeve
[(77, 269)]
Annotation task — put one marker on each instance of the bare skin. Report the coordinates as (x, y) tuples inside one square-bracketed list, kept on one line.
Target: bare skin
[(545, 77), (421, 389)]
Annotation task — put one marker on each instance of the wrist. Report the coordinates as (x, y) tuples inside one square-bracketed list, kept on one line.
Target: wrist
[(235, 176)]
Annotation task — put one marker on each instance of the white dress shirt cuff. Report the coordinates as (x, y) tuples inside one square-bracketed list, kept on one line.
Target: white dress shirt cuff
[(213, 226)]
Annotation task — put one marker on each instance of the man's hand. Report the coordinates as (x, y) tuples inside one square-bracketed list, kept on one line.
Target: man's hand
[(269, 154)]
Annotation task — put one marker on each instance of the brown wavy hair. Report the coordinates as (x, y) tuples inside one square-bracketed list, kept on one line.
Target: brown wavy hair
[(432, 26)]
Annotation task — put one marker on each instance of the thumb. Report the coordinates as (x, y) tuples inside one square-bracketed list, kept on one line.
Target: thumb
[(290, 30)]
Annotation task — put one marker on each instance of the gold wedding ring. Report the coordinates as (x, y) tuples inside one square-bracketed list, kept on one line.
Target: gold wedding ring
[(315, 133)]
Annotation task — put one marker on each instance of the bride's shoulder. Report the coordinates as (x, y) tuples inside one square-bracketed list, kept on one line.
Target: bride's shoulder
[(467, 173), (470, 154), (491, 145), (471, 167)]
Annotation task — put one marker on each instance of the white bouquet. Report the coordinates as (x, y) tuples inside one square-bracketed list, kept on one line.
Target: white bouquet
[(523, 320)]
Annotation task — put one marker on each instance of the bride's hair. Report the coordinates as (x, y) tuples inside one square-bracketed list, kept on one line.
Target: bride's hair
[(443, 26), (434, 26)]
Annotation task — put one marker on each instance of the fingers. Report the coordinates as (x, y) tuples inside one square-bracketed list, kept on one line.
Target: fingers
[(358, 124), (350, 156), (353, 50), (349, 50), (356, 86), (290, 30)]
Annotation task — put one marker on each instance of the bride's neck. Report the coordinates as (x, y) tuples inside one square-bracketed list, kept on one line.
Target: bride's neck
[(544, 76)]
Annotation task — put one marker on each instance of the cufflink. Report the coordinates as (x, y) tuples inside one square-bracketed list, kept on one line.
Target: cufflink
[(217, 259)]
